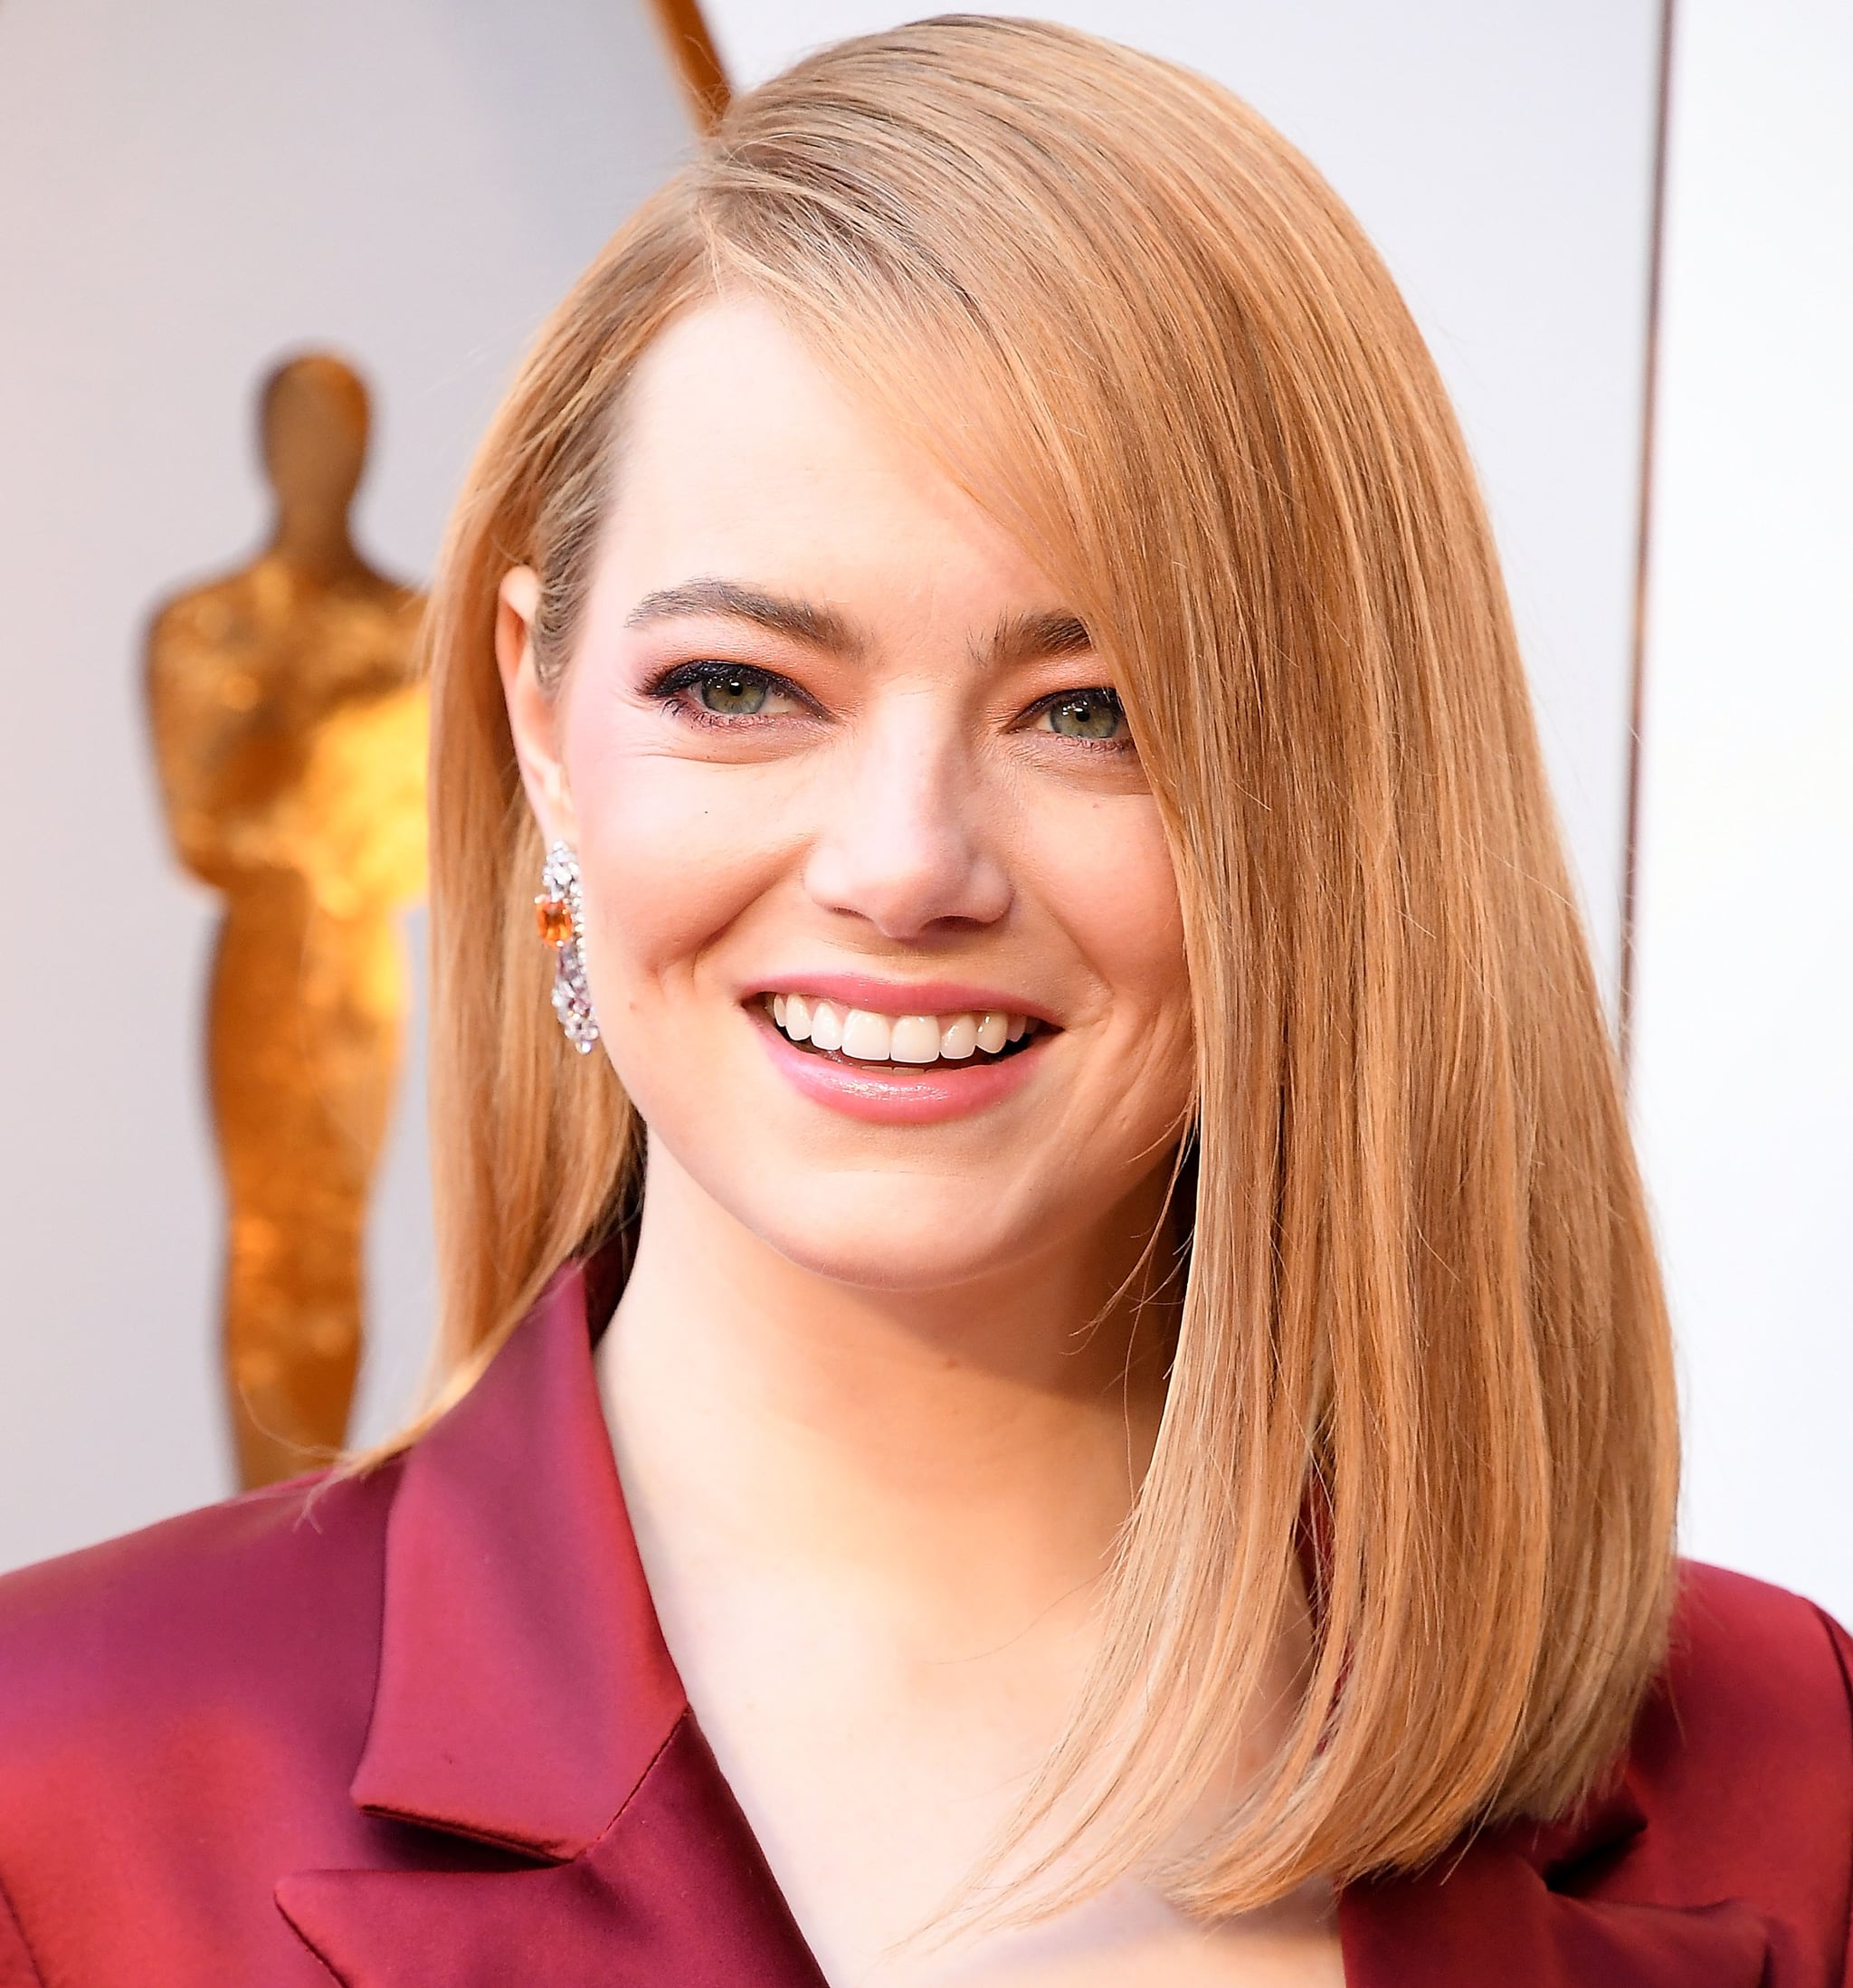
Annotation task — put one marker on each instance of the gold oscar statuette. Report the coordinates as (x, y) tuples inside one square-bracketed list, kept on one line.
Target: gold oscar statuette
[(290, 731)]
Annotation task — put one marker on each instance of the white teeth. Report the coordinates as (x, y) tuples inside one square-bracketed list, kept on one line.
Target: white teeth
[(873, 1038), (916, 1039), (959, 1037), (869, 1038), (827, 1025)]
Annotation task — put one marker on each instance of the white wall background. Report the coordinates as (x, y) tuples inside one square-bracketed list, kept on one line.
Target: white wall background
[(1743, 1028), (1501, 154), (186, 191)]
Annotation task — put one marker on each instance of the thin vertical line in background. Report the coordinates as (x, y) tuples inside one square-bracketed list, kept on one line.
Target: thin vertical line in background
[(698, 66), (1631, 860)]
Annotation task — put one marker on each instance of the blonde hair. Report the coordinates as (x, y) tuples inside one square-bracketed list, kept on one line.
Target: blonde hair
[(1422, 1316)]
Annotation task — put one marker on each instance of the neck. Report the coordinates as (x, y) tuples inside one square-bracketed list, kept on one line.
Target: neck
[(986, 1435), (317, 545)]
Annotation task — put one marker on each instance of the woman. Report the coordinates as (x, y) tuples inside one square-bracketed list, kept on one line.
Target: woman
[(1079, 1177)]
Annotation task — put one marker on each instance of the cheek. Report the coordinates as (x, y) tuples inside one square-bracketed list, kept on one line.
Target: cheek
[(1103, 869), (1106, 872), (671, 851)]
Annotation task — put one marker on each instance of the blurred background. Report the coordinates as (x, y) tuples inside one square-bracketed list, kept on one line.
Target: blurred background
[(1626, 229)]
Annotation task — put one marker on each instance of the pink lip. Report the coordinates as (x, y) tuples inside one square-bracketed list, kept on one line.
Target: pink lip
[(904, 996), (897, 1094)]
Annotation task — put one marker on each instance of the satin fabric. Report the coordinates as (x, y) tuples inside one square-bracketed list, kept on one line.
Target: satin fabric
[(420, 1729)]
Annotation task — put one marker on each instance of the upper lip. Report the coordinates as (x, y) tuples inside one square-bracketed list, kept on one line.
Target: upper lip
[(903, 996)]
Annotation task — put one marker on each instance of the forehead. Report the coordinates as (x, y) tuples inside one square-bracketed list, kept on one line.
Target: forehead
[(740, 454)]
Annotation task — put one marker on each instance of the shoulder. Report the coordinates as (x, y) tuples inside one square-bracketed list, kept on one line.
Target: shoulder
[(1742, 1767), (266, 1602), (1722, 1852), (202, 609), (181, 1713), (1758, 1673)]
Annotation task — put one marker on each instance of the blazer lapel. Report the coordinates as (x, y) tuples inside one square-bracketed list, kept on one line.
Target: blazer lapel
[(1512, 1906), (526, 1702), (675, 1890), (524, 1684)]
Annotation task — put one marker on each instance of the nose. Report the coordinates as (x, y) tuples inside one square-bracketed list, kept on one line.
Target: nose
[(904, 840)]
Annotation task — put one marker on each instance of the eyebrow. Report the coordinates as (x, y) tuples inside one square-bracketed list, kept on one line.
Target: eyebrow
[(801, 620), (1017, 639), (1030, 638)]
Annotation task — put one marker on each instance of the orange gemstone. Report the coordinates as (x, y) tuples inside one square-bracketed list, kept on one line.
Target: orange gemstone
[(553, 916)]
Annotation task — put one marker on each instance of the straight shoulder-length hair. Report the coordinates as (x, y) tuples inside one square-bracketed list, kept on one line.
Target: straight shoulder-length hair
[(1422, 1364)]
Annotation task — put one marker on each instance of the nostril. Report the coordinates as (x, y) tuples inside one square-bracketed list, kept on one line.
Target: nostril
[(909, 879)]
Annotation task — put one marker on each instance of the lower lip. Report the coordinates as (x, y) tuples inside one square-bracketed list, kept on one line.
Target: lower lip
[(898, 1093)]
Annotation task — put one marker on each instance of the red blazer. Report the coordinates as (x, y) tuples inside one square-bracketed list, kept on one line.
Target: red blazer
[(420, 1730)]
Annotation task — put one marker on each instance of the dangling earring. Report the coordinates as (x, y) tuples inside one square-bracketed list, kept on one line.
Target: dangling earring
[(560, 915)]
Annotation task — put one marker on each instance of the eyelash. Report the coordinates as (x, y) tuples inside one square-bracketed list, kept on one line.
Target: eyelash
[(668, 689), (1123, 743)]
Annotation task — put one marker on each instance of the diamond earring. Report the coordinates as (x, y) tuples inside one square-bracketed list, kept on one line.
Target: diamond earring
[(560, 915)]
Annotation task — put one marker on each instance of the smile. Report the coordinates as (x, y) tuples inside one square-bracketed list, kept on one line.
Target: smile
[(865, 1035)]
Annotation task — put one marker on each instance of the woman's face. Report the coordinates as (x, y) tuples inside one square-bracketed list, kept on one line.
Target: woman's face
[(832, 749)]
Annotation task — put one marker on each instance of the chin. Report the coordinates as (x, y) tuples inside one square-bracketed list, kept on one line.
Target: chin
[(893, 1236)]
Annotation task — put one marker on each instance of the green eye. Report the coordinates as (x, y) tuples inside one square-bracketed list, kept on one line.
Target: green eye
[(732, 693), (1087, 714)]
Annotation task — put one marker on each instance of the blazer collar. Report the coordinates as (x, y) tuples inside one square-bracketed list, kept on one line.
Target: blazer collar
[(527, 1700), (524, 1684)]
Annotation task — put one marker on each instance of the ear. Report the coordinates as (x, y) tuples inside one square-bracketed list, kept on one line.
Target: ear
[(533, 712)]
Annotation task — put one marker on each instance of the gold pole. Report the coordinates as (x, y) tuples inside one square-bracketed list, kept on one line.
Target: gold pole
[(696, 61), (1637, 711)]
